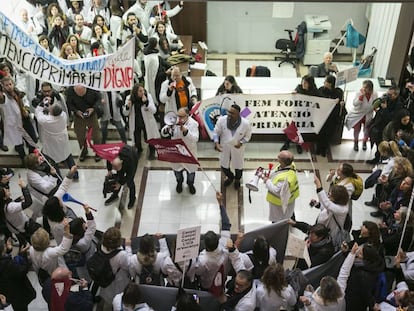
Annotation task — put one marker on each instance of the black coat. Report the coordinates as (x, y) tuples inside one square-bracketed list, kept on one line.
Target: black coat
[(360, 290), (319, 253), (14, 283)]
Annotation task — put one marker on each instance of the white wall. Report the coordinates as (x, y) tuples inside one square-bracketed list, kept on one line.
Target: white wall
[(381, 33), (245, 27)]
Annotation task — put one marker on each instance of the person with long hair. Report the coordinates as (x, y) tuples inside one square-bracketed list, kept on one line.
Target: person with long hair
[(330, 295), (362, 282), (130, 299), (318, 241), (343, 176), (334, 123), (308, 87), (361, 113), (391, 232), (77, 48), (274, 292), (140, 108), (59, 31), (386, 184), (400, 129), (66, 52), (387, 150), (229, 86)]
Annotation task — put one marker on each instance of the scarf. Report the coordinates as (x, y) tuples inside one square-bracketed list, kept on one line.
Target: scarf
[(59, 293), (233, 126)]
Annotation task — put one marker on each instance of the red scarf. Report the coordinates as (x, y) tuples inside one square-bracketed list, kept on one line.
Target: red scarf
[(59, 295)]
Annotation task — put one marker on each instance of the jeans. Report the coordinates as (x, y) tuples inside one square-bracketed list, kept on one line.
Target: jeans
[(119, 126), (179, 176)]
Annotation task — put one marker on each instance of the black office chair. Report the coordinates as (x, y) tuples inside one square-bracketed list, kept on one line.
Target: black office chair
[(287, 47)]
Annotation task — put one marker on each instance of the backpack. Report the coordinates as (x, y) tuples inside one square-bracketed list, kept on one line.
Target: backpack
[(149, 276), (217, 287), (100, 269), (359, 187), (258, 268)]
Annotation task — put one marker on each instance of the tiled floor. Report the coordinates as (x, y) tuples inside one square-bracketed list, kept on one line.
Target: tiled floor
[(160, 209)]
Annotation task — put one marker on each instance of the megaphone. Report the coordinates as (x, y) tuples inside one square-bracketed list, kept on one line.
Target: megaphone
[(68, 198), (170, 118), (254, 182)]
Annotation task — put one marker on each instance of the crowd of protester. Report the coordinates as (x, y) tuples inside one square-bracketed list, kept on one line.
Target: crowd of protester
[(77, 29)]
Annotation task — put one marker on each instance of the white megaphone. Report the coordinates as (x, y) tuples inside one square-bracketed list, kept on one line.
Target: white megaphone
[(254, 182)]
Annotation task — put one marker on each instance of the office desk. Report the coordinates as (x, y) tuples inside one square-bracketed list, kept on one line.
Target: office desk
[(264, 85)]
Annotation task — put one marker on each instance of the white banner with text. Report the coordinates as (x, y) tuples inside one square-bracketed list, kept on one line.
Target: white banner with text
[(114, 72), (271, 113)]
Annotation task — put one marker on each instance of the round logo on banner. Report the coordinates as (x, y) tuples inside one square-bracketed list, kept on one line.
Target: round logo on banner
[(211, 114)]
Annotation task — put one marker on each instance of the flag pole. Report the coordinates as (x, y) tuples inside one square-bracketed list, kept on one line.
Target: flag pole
[(311, 161), (208, 178), (31, 142), (406, 220)]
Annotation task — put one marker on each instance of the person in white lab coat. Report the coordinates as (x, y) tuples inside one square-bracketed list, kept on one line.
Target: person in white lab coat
[(231, 133), (187, 130)]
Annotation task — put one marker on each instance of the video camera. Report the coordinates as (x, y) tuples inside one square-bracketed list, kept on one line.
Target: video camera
[(109, 184), (385, 98)]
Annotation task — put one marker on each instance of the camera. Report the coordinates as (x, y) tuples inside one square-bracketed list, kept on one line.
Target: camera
[(314, 203), (85, 114), (46, 102)]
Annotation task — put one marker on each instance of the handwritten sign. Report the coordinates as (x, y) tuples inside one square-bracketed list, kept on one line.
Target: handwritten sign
[(188, 243)]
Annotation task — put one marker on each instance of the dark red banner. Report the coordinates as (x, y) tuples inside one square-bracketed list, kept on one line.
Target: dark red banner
[(173, 150)]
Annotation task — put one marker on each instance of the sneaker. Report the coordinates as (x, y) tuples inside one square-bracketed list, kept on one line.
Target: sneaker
[(4, 148), (179, 187), (237, 184), (299, 149), (285, 146), (228, 181), (377, 214), (364, 145), (192, 189), (83, 155), (131, 202), (111, 199)]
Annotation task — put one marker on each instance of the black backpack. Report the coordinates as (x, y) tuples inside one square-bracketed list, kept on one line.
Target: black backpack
[(258, 268), (100, 269), (149, 276)]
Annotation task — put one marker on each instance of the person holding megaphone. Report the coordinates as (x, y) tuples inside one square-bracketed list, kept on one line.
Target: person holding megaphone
[(283, 188)]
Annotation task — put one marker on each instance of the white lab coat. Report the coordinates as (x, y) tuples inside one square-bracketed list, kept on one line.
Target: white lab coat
[(53, 134), (228, 140), (151, 126), (152, 63), (190, 141), (170, 101), (12, 122)]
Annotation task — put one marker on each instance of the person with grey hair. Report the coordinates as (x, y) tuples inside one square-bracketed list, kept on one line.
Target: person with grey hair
[(281, 198), (187, 130), (327, 67), (53, 134)]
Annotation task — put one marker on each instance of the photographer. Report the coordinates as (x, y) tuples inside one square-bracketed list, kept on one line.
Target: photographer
[(48, 96), (53, 133), (83, 102)]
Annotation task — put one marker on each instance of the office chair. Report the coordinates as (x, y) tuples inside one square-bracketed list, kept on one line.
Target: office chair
[(287, 47)]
